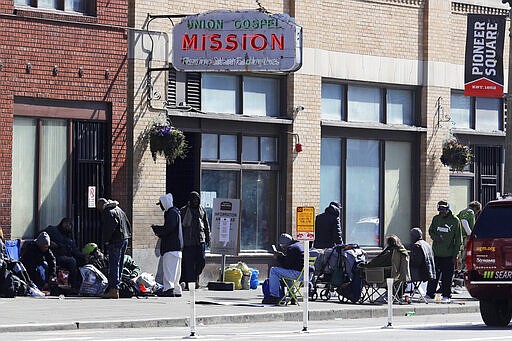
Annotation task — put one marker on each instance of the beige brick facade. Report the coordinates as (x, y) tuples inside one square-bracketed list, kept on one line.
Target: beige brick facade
[(416, 43)]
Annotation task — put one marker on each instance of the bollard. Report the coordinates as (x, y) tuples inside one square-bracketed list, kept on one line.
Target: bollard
[(389, 282), (192, 288)]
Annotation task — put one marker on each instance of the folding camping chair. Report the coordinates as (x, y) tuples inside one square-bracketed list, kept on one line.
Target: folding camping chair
[(415, 288), (375, 287), (293, 286), (12, 248)]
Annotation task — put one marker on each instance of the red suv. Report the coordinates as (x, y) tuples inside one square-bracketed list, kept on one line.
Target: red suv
[(489, 262)]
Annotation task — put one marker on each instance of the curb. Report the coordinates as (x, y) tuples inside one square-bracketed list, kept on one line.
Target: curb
[(314, 315)]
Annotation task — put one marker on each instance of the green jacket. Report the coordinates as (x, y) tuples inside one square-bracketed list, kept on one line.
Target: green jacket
[(469, 215), (446, 235)]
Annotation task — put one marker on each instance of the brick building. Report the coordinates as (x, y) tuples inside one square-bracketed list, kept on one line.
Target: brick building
[(381, 90), (63, 85)]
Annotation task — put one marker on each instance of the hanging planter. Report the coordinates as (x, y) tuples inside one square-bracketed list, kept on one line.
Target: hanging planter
[(167, 141), (456, 155)]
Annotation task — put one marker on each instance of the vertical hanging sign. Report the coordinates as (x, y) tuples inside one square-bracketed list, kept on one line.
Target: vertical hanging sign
[(483, 75)]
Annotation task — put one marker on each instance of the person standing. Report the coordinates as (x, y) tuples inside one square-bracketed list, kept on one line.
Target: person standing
[(468, 217), (116, 230), (446, 234), (171, 244), (328, 227), (196, 237), (422, 264)]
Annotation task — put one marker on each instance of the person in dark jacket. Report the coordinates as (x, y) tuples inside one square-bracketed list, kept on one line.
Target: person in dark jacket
[(171, 244), (423, 268), (116, 230), (196, 237), (290, 260), (328, 227), (66, 252), (40, 262)]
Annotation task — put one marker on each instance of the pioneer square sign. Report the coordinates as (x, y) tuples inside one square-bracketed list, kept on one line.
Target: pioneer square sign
[(237, 41)]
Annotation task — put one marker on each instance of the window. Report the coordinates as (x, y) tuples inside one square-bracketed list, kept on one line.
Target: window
[(330, 171), (250, 174), (42, 175), (356, 103), (363, 192), (247, 95), (376, 191), (479, 113), (461, 191), (77, 6), (219, 147)]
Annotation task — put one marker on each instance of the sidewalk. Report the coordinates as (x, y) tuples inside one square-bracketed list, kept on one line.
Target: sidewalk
[(22, 314)]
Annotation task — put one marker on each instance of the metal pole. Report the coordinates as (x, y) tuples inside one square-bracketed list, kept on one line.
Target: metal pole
[(192, 288), (305, 281), (508, 136), (389, 282)]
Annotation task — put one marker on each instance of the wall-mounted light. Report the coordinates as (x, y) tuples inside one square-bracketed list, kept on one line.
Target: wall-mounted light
[(107, 74), (55, 71), (80, 72), (28, 68)]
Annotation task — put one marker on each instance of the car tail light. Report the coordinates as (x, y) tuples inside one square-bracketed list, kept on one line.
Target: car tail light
[(469, 254)]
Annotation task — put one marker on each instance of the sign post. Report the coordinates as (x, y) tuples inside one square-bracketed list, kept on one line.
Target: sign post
[(305, 221), (225, 235)]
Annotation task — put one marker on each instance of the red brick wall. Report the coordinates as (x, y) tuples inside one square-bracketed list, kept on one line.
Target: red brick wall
[(48, 38)]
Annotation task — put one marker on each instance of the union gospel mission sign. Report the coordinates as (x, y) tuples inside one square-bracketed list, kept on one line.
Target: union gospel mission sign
[(237, 41), (483, 75)]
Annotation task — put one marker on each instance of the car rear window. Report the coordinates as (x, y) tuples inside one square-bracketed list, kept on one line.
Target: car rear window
[(494, 222)]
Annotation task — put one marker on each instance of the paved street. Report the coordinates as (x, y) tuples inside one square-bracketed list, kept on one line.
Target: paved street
[(432, 327)]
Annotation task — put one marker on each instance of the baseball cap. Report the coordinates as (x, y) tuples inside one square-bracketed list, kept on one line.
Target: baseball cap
[(443, 205)]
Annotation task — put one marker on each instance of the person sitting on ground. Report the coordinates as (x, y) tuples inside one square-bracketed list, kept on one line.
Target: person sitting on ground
[(328, 228), (97, 258), (64, 248), (40, 262), (290, 260), (422, 266)]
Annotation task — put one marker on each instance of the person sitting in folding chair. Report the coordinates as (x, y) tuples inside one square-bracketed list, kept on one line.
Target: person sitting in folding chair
[(396, 256), (290, 258)]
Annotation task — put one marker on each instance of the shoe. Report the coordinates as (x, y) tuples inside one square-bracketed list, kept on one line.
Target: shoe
[(197, 285), (112, 293), (271, 300), (457, 290), (166, 293), (445, 300)]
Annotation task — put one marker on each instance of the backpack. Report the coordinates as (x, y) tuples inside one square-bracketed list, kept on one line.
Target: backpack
[(94, 282), (12, 286), (265, 287), (127, 289)]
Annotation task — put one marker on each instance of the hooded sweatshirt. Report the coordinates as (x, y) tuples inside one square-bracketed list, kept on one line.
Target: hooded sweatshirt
[(446, 235), (422, 264), (328, 228), (171, 233)]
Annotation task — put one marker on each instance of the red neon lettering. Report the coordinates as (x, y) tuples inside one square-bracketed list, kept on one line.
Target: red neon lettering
[(277, 41), (231, 42), (188, 42), (244, 42), (215, 43), (263, 41), (203, 42)]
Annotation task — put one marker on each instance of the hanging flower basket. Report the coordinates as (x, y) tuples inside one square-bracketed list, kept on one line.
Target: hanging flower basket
[(456, 155), (167, 141)]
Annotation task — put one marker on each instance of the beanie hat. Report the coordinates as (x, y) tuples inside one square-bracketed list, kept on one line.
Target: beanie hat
[(416, 234), (89, 248), (285, 240), (43, 239)]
